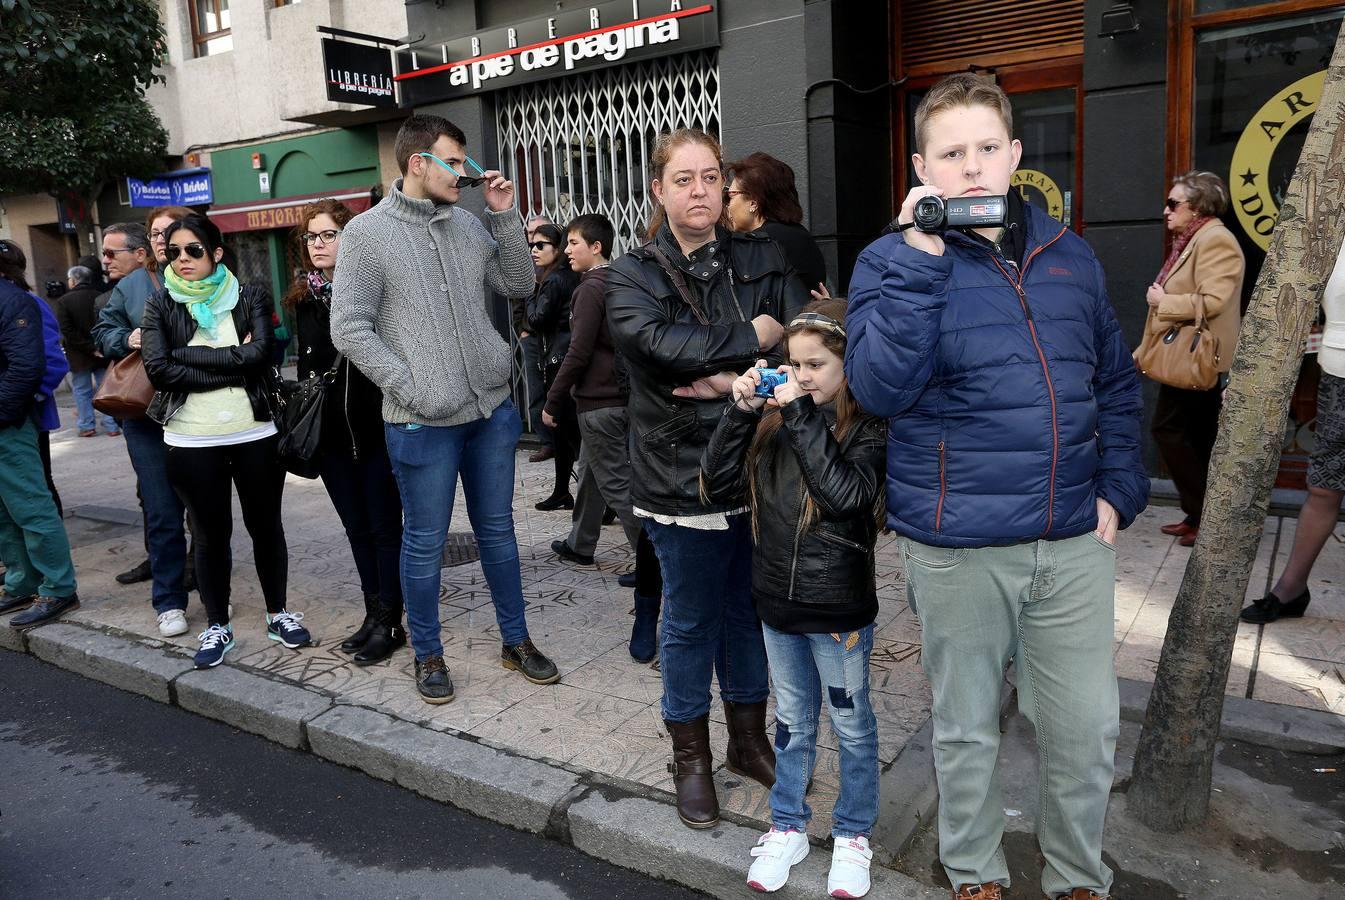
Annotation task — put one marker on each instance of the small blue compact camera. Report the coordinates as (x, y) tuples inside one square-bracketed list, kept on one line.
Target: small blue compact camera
[(770, 379)]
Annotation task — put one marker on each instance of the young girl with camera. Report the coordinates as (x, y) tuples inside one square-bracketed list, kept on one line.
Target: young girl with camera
[(813, 467)]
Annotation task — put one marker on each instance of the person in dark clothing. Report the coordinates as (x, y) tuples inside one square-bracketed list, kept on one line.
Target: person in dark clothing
[(206, 343), (352, 454), (45, 414), (531, 351), (814, 471), (687, 312), (39, 573), (761, 195), (589, 373), (76, 314), (549, 316)]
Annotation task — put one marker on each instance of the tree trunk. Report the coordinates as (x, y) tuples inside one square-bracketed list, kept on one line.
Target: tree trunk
[(1175, 757)]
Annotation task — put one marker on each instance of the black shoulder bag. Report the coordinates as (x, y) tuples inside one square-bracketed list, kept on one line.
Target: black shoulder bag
[(300, 421)]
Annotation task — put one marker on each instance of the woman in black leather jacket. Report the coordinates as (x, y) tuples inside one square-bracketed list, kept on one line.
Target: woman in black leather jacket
[(814, 469), (352, 455), (687, 312), (206, 343), (549, 316)]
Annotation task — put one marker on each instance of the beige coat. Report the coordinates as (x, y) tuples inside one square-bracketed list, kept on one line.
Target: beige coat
[(1212, 266)]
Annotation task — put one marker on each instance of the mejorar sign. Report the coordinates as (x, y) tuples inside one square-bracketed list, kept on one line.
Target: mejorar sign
[(573, 40)]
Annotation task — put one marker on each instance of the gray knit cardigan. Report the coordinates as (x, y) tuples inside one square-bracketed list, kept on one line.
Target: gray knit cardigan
[(409, 306)]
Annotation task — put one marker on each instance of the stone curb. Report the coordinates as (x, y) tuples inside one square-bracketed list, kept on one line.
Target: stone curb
[(602, 818), (471, 776), (908, 796), (1288, 728)]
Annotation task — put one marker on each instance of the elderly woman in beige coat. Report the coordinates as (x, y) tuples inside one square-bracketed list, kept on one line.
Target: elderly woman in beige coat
[(1205, 264)]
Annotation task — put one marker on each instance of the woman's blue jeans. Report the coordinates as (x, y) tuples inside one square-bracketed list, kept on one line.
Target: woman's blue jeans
[(427, 461), (802, 665), (709, 621)]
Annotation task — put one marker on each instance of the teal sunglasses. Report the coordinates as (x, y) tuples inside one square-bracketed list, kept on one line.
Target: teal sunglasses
[(464, 181)]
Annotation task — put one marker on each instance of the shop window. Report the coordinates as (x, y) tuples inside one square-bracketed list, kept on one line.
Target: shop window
[(582, 144), (210, 29)]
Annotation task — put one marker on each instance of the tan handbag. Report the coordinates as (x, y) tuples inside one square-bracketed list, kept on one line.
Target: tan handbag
[(126, 391), (1186, 356)]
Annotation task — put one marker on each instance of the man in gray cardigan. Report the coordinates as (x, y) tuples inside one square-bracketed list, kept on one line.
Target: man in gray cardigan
[(409, 310)]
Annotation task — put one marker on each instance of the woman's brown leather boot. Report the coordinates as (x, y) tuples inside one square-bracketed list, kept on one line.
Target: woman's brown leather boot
[(692, 765), (750, 754)]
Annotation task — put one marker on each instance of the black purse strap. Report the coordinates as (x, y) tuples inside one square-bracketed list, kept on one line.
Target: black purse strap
[(680, 283)]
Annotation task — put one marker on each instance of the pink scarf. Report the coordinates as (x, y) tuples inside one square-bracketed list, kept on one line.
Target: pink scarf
[(1179, 245)]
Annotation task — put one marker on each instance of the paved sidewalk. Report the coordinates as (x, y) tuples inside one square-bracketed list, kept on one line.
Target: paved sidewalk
[(602, 720)]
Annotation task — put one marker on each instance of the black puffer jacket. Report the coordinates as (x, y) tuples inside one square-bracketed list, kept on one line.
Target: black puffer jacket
[(352, 417), (176, 370), (664, 345), (817, 579)]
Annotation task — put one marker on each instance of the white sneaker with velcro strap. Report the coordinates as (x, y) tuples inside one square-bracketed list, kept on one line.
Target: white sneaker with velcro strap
[(776, 853)]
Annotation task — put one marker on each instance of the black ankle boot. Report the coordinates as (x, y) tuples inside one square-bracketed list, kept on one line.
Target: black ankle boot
[(387, 637), (556, 501), (357, 640)]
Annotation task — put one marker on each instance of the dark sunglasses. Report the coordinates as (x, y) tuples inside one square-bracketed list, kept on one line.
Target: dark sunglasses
[(195, 251), (540, 245), (1173, 204)]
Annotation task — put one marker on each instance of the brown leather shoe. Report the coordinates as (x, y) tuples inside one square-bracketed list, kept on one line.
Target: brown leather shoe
[(542, 454), (1188, 539), (1081, 894), (749, 754), (697, 805), (989, 891), (1178, 529)]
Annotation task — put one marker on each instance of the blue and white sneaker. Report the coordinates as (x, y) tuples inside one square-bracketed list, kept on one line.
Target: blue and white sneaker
[(284, 627), (216, 641)]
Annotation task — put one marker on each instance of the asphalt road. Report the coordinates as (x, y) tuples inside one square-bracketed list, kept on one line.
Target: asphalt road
[(108, 794)]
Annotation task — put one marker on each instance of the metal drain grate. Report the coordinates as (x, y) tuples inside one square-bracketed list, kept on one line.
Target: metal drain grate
[(460, 549)]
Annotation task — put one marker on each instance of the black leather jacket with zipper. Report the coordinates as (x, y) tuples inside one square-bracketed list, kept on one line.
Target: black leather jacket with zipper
[(177, 370), (817, 578), (352, 413), (664, 343)]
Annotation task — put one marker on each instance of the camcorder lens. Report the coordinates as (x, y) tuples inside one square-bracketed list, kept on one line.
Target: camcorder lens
[(929, 214)]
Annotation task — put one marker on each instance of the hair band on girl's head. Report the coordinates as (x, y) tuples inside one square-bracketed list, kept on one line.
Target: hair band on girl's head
[(817, 320)]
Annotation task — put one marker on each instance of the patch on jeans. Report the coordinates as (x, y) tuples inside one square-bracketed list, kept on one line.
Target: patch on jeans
[(459, 549), (781, 735), (839, 698)]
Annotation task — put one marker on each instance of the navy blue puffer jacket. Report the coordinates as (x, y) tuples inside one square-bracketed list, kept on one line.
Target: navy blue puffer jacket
[(1013, 400), (23, 353)]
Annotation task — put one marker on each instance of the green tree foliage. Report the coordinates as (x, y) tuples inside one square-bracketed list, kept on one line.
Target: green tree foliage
[(73, 113)]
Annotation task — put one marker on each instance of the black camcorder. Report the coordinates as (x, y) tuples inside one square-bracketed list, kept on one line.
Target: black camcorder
[(934, 214)]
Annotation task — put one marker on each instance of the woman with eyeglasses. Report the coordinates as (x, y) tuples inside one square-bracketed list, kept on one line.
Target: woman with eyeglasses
[(549, 315), (1205, 266), (206, 342), (761, 196), (352, 454)]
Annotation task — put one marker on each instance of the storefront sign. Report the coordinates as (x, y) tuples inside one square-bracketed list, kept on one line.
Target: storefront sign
[(357, 73), (287, 212), (190, 187), (574, 40), (1039, 188), (1249, 176)]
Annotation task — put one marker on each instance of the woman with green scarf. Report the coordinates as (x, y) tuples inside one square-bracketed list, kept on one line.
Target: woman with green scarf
[(207, 342)]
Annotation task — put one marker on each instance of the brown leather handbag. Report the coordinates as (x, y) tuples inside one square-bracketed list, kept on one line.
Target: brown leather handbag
[(126, 391), (1186, 356)]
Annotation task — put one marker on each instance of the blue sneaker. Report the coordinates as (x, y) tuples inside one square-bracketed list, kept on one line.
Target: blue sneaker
[(285, 627), (216, 641)]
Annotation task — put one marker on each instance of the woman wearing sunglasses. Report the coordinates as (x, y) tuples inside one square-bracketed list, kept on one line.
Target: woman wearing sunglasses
[(549, 316), (352, 454), (206, 341)]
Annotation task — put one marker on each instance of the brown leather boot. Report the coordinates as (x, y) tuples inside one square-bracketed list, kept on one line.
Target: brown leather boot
[(749, 754), (989, 891), (697, 805)]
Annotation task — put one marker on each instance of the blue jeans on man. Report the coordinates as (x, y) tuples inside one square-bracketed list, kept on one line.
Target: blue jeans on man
[(84, 385), (165, 536), (427, 461), (710, 624)]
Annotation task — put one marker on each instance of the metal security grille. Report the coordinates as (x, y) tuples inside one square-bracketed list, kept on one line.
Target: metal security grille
[(581, 144)]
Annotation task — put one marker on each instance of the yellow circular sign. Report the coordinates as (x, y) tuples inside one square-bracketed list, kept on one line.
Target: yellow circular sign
[(1040, 184), (1249, 174)]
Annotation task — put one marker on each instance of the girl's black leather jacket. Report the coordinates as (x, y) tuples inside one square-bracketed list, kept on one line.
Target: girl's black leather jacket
[(177, 370)]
